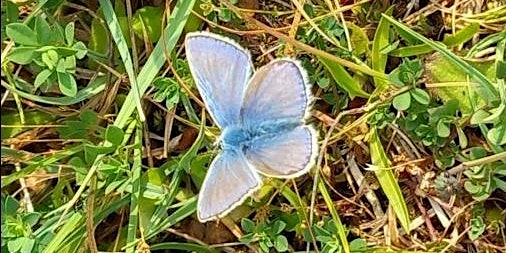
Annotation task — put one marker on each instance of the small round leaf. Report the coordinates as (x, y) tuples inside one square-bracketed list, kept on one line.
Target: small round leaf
[(402, 101)]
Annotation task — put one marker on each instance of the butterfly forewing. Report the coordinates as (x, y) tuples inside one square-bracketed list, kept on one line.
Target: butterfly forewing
[(221, 69), (277, 91), (229, 181)]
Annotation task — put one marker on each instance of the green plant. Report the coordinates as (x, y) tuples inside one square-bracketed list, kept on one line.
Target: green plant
[(267, 234), (326, 234), (217, 11), (17, 228), (52, 50), (483, 180)]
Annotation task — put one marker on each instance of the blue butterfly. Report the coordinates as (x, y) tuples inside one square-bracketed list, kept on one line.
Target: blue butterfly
[(261, 115)]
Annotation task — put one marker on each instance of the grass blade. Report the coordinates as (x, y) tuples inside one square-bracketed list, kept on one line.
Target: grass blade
[(117, 35), (133, 220), (71, 225), (190, 247), (94, 87), (344, 79), (387, 180), (156, 60), (167, 42), (379, 60), (330, 205), (189, 208), (460, 37), (488, 91), (40, 164)]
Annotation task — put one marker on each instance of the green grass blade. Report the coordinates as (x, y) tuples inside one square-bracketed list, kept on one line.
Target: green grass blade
[(133, 220), (167, 42), (460, 37), (189, 247), (341, 232), (379, 59), (7, 180), (94, 87), (344, 79), (71, 225), (155, 62), (189, 207), (183, 165), (117, 35), (387, 180), (487, 91)]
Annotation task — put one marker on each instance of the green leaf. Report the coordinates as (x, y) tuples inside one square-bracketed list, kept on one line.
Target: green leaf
[(387, 180), (420, 95), (31, 219), (477, 228), (21, 34), (359, 245), (42, 77), (31, 118), (501, 70), (71, 224), (60, 67), (487, 89), (344, 79), (247, 225), (341, 232), (70, 64), (497, 135), (11, 14), (16, 244), (28, 245), (21, 55), (114, 135), (378, 58), (181, 246), (459, 37), (67, 84), (479, 117), (43, 31), (358, 39), (148, 19), (50, 58), (121, 43), (441, 70), (443, 129), (69, 33), (278, 226), (81, 49), (281, 243), (157, 58), (462, 138), (9, 205), (402, 102), (94, 87)]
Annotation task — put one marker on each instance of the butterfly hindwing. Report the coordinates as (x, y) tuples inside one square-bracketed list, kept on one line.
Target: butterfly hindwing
[(285, 155), (221, 69), (229, 181)]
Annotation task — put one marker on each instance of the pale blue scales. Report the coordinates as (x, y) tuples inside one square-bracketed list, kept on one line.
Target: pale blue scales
[(262, 119)]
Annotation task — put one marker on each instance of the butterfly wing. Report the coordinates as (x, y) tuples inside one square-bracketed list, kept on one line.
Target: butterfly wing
[(221, 69), (277, 91), (286, 155), (229, 181)]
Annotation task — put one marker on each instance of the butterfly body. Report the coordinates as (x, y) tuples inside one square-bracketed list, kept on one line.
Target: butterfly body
[(239, 136), (261, 115)]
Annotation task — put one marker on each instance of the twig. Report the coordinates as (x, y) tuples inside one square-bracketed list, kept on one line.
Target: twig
[(489, 159)]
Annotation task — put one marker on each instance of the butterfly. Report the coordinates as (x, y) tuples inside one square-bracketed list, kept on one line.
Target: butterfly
[(262, 116)]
